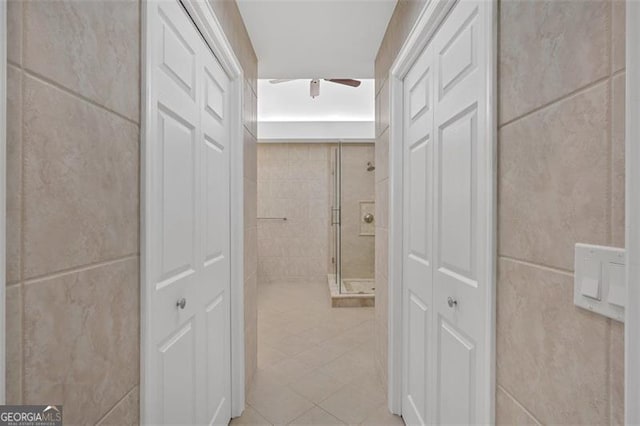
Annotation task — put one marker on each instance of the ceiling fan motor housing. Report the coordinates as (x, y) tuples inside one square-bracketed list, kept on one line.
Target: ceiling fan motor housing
[(314, 88)]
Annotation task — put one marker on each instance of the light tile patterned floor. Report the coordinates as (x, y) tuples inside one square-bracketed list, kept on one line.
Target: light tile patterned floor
[(315, 363)]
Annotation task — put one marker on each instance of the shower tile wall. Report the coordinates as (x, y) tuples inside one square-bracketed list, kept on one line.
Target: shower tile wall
[(293, 182), (358, 184)]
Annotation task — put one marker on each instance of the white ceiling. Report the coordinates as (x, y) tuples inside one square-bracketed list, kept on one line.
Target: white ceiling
[(316, 38)]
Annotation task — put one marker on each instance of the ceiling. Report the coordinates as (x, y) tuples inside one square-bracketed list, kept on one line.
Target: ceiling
[(316, 38)]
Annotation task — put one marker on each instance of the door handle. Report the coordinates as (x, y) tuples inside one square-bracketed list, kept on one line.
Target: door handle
[(368, 218), (181, 303), (452, 302)]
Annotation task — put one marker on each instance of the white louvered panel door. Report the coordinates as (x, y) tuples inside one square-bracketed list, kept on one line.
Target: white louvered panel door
[(189, 365)]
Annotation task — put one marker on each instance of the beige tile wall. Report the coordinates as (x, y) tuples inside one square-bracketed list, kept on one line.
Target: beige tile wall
[(561, 181), (358, 184), (293, 182), (73, 205)]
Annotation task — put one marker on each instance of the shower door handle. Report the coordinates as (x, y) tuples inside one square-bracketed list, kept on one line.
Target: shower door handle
[(335, 216)]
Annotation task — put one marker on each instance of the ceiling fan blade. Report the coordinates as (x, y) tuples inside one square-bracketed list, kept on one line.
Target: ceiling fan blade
[(345, 81), (281, 81)]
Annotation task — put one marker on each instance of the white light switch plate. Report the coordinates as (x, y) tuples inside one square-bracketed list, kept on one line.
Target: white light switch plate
[(599, 280)]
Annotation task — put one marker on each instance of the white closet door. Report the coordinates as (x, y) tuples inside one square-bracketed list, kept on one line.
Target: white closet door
[(462, 230), (418, 240), (215, 238), (187, 352), (447, 232)]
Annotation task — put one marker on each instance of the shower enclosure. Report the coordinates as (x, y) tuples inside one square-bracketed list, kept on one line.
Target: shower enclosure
[(353, 221)]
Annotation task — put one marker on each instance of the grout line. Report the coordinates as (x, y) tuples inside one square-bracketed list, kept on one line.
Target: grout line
[(619, 72), (258, 411), (81, 268), (12, 285), (610, 188), (383, 81), (23, 28), (569, 95), (112, 409), (536, 265), (14, 64), (522, 407), (22, 219), (54, 84)]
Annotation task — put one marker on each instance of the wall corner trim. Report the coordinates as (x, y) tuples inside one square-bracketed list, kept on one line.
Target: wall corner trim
[(632, 215)]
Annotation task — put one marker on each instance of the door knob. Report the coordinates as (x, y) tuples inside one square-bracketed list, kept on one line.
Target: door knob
[(452, 302), (181, 303), (368, 218)]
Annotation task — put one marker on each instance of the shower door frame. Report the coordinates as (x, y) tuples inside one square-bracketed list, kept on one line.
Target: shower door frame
[(336, 214)]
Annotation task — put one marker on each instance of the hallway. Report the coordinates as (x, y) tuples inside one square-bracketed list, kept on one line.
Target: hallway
[(191, 186), (315, 363)]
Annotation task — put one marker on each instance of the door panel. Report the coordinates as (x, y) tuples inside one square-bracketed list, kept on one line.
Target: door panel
[(458, 56), (179, 378), (417, 387), (216, 241), (447, 194), (177, 145), (457, 196), (419, 165), (178, 56), (188, 242), (456, 377), (462, 236), (216, 355), (418, 187)]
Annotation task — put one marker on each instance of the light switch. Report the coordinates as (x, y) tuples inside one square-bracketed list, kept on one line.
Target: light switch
[(591, 287), (599, 280), (617, 288)]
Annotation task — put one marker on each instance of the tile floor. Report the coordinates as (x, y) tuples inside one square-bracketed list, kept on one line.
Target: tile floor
[(315, 363)]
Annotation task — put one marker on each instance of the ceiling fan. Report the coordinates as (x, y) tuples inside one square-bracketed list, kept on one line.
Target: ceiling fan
[(314, 85)]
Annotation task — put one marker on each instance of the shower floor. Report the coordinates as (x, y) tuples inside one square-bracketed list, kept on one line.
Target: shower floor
[(356, 292), (358, 286)]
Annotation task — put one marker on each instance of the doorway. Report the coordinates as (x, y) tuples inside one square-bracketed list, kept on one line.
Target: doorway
[(442, 236), (191, 272), (316, 361)]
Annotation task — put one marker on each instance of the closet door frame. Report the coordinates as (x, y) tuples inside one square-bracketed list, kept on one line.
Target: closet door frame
[(429, 20), (208, 24)]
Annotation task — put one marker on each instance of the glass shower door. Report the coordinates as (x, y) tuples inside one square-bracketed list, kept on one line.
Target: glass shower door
[(335, 217)]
